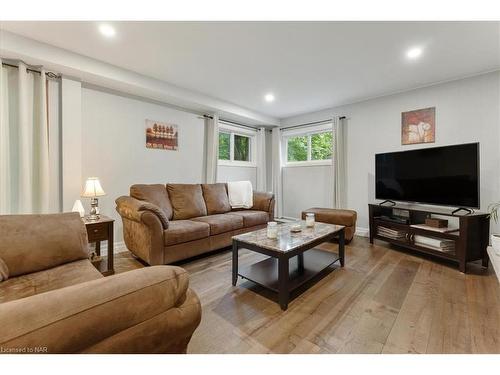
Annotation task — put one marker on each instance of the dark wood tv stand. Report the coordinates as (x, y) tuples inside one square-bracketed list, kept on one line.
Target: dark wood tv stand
[(471, 239)]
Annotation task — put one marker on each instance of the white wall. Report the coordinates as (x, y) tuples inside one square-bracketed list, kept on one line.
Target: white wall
[(55, 142), (467, 110), (71, 134), (306, 187), (113, 147), (229, 173), (269, 161)]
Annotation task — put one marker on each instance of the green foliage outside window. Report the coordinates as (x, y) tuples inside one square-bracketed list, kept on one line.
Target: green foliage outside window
[(224, 146), (320, 143), (241, 148), (321, 146), (297, 148), (241, 151)]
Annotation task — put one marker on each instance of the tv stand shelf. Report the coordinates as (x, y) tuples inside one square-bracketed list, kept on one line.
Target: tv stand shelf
[(471, 239)]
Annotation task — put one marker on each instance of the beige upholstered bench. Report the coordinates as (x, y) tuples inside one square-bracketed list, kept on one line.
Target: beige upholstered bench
[(335, 216)]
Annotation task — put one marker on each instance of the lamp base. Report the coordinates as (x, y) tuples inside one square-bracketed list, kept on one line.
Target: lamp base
[(94, 210)]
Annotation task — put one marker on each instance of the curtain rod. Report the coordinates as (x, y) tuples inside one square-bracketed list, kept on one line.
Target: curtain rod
[(309, 123), (48, 74), (234, 123)]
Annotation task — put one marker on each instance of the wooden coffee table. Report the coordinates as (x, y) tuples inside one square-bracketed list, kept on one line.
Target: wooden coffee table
[(293, 259)]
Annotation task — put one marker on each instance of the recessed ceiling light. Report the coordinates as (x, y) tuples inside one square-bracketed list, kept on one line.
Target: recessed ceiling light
[(414, 53), (269, 98), (107, 30)]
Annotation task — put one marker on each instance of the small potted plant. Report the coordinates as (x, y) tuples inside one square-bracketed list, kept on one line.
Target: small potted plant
[(495, 238)]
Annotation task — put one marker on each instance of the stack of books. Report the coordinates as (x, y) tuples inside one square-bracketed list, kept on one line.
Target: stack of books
[(447, 246), (440, 230), (391, 233)]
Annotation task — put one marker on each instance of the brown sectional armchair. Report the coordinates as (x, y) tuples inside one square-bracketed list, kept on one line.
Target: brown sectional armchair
[(53, 300), (163, 224)]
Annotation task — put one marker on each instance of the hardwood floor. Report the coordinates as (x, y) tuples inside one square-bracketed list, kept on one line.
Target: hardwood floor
[(383, 301)]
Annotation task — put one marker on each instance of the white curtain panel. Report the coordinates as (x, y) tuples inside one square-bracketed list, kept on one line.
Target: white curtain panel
[(212, 148), (339, 163), (24, 144), (25, 116), (276, 171), (5, 182), (41, 146), (261, 160), (55, 185)]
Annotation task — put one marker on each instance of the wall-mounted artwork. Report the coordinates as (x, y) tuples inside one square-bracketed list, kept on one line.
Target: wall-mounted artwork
[(418, 126), (161, 135)]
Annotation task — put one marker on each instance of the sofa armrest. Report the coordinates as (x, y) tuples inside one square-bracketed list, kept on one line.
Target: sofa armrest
[(79, 317), (143, 230), (133, 209), (263, 201)]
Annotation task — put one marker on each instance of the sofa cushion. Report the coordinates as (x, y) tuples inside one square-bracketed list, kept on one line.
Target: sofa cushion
[(251, 218), (156, 194), (187, 200), (221, 223), (51, 279), (180, 231), (31, 243), (216, 198)]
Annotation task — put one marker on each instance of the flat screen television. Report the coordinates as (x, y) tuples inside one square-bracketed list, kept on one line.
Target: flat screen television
[(447, 176)]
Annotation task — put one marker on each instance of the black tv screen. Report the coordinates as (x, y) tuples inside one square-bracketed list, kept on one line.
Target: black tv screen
[(446, 175)]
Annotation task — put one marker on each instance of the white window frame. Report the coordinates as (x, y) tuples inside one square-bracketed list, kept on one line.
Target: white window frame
[(233, 130), (308, 132)]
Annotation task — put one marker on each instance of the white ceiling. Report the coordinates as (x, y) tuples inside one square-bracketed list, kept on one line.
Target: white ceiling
[(307, 65)]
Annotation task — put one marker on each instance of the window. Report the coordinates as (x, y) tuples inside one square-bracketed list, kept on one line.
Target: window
[(297, 148), (241, 148), (313, 147), (224, 146), (321, 146), (236, 146)]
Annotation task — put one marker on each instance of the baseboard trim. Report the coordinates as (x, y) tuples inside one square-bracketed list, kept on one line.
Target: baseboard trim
[(286, 218), (494, 260), (119, 247), (362, 232)]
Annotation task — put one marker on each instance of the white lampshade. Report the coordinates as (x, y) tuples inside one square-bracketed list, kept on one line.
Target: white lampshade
[(78, 207), (93, 188)]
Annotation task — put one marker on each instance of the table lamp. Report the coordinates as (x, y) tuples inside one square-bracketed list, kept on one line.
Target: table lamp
[(93, 190), (78, 207)]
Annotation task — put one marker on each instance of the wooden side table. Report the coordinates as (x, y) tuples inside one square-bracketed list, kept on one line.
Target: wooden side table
[(97, 231)]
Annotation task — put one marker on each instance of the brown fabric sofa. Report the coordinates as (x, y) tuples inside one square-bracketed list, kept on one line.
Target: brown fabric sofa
[(53, 300), (163, 224)]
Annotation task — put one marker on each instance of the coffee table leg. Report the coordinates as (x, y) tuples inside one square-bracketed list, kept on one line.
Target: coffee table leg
[(283, 276), (235, 263), (300, 262), (342, 247)]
